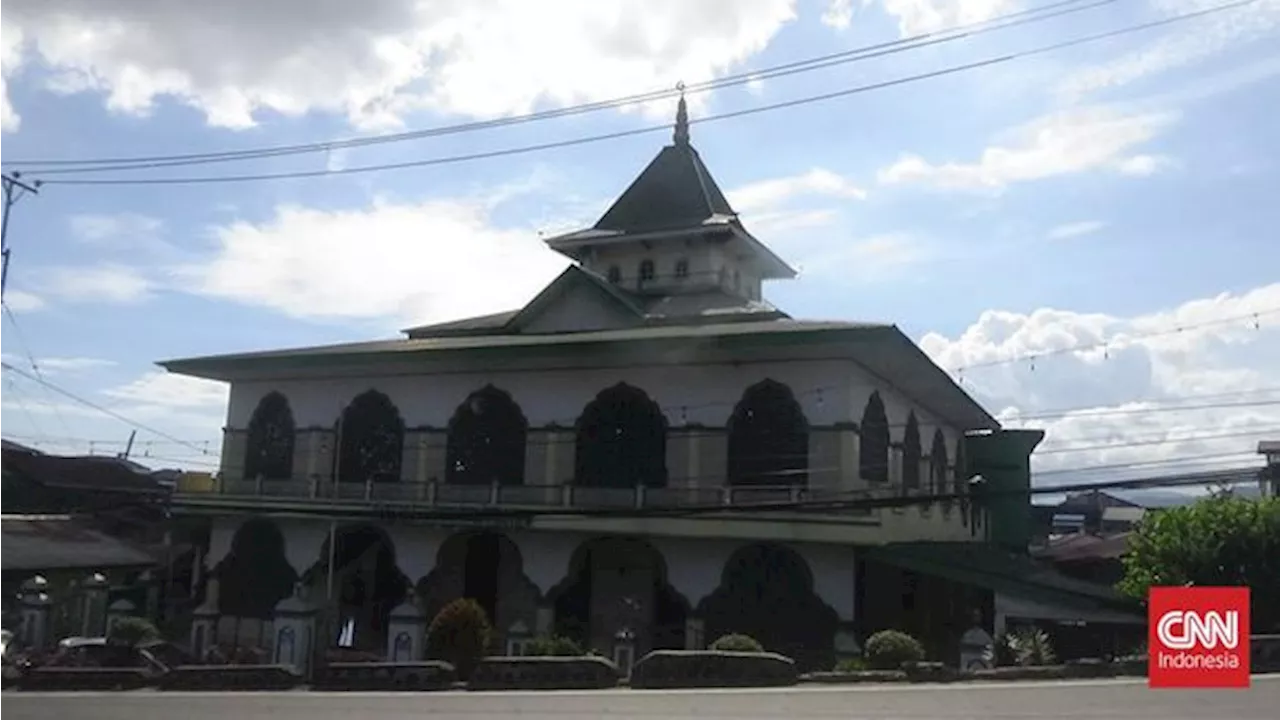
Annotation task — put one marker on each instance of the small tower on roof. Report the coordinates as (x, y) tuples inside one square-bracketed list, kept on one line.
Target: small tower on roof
[(673, 232)]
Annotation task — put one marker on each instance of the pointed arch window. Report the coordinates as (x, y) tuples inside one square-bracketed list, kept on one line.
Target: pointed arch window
[(486, 440), (938, 466), (911, 454), (372, 446), (873, 442), (646, 270), (621, 441), (615, 274), (768, 438), (960, 480), (682, 269), (269, 445)]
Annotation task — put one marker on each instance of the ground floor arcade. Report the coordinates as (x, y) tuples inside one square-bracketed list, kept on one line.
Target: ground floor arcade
[(811, 601)]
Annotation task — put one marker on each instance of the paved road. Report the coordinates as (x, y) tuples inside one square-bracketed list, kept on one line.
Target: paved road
[(1036, 701)]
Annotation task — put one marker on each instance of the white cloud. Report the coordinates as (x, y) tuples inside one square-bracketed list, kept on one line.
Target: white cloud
[(1076, 229), (838, 14), (10, 61), (20, 301), (768, 194), (61, 365), (375, 61), (873, 259), (171, 391), (1068, 142), (1204, 352), (107, 282), (916, 17), (435, 260), (1180, 46), (124, 231)]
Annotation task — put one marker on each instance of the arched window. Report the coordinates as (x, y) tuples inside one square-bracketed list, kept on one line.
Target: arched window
[(938, 466), (646, 270), (269, 446), (873, 442), (372, 446), (682, 269), (486, 440), (615, 274), (768, 438), (911, 454), (621, 441)]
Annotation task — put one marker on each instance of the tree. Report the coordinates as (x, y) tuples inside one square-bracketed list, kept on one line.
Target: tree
[(1221, 540)]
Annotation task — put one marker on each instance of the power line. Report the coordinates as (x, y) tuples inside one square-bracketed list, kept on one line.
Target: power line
[(35, 367), (14, 190), (99, 408), (1070, 448), (506, 152), (1013, 19)]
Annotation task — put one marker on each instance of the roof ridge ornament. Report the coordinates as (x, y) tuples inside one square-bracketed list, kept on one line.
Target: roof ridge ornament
[(681, 135)]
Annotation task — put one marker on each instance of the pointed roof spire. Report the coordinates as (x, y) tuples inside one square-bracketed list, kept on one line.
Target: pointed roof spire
[(681, 136)]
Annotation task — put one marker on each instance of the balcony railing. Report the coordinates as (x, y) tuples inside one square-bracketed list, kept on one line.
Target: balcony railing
[(443, 495)]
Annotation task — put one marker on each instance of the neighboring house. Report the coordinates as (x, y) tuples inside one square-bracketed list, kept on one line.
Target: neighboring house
[(634, 411)]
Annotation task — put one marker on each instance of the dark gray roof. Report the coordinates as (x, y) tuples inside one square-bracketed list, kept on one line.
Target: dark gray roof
[(467, 326), (51, 543), (675, 191), (713, 306)]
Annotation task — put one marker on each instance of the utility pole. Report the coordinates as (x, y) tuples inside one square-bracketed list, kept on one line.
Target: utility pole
[(14, 189)]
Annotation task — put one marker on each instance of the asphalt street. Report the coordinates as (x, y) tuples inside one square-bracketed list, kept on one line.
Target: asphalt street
[(1041, 701)]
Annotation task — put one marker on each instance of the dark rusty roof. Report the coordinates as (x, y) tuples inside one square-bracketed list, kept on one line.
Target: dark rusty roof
[(81, 473), (35, 543)]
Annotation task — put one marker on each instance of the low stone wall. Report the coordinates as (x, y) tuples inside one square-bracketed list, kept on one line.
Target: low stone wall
[(231, 677), (711, 668), (544, 673), (84, 678), (1264, 653), (386, 676)]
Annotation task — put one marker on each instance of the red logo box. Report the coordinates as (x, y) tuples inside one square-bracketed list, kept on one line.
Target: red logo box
[(1198, 637)]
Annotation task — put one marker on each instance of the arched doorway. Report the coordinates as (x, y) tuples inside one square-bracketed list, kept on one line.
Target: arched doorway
[(873, 441), (269, 445), (768, 438), (366, 585), (486, 440), (766, 592), (619, 585), (621, 441), (487, 567), (256, 574), (372, 446)]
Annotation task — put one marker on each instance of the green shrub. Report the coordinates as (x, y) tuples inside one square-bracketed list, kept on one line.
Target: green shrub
[(132, 631), (851, 665), (459, 635), (1032, 647), (736, 642), (889, 649), (553, 646)]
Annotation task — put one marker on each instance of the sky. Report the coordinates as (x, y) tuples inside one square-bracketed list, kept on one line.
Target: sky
[(1084, 237)]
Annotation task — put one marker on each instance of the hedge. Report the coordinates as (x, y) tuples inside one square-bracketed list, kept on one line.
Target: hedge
[(231, 677), (712, 668), (84, 678), (386, 676), (544, 673)]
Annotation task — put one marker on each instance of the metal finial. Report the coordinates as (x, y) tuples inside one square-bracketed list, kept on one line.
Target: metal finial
[(682, 119)]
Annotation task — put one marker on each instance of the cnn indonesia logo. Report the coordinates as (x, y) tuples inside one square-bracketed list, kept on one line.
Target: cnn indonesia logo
[(1199, 637)]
